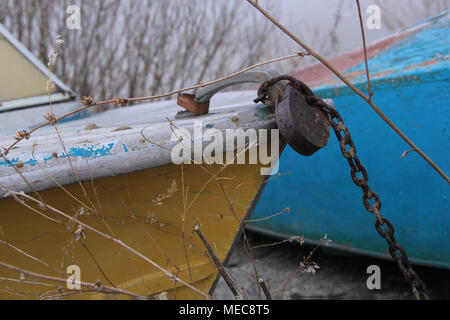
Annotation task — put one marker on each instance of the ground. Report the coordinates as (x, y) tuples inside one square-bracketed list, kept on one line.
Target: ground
[(339, 277)]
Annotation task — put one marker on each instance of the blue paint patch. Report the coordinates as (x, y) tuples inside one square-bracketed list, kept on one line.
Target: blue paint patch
[(46, 159), (16, 161), (210, 125), (90, 152), (125, 148)]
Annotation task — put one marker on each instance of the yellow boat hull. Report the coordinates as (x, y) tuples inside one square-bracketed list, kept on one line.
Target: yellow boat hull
[(146, 211)]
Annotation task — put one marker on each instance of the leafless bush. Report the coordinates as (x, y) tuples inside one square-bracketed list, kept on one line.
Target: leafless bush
[(134, 48)]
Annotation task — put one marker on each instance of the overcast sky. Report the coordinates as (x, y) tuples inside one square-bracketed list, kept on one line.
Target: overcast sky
[(309, 14), (322, 12)]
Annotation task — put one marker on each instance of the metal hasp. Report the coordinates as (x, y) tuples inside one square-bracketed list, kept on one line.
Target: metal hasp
[(305, 128), (199, 102), (188, 102)]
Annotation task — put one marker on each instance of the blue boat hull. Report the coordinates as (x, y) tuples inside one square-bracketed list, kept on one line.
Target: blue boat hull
[(319, 191)]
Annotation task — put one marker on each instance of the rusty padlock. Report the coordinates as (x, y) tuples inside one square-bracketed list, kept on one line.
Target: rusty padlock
[(305, 128)]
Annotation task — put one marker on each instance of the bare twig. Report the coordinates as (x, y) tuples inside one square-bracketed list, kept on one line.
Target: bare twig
[(19, 195), (288, 210), (405, 153), (94, 190), (300, 268), (4, 156), (89, 102), (34, 283), (218, 264), (103, 218), (351, 86), (94, 286), (33, 209), (51, 117), (96, 263), (266, 291), (183, 222), (29, 256), (365, 50), (246, 242), (57, 183), (298, 238)]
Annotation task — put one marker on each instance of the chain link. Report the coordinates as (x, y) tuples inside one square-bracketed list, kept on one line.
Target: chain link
[(359, 175)]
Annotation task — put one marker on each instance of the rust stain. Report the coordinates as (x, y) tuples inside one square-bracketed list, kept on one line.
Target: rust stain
[(124, 128), (188, 102), (381, 74), (423, 64), (91, 126)]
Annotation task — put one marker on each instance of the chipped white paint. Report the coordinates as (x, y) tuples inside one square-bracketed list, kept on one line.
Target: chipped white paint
[(112, 152)]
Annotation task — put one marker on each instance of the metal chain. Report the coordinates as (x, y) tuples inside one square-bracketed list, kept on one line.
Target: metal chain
[(359, 175)]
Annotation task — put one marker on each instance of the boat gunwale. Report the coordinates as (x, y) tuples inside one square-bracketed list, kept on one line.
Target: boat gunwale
[(123, 161)]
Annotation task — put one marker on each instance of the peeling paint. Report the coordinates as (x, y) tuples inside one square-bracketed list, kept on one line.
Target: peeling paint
[(91, 152)]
